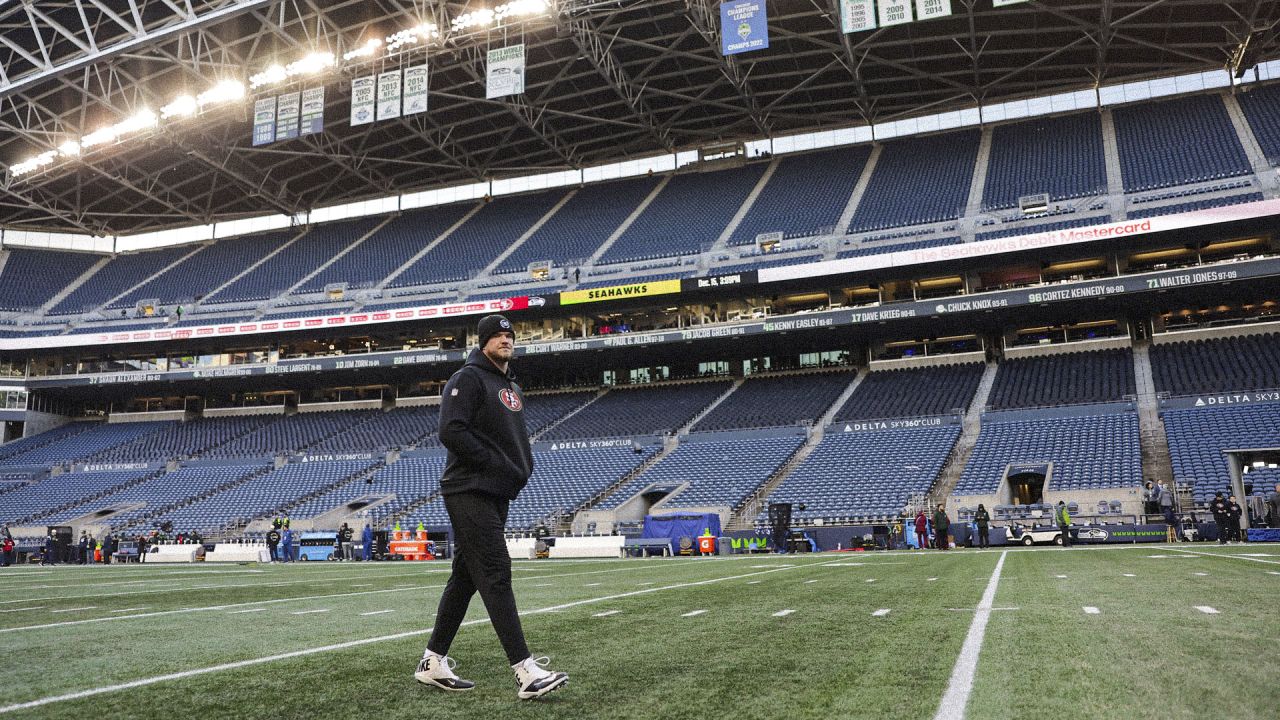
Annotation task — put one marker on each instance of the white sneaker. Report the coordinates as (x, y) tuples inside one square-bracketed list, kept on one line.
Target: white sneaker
[(533, 680), (437, 671)]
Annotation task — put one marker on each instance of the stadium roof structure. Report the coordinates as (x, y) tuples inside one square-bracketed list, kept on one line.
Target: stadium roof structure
[(606, 81)]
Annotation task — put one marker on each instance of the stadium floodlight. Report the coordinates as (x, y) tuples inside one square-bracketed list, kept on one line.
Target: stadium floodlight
[(369, 48), (224, 91), (70, 148), (485, 17), (425, 31), (182, 106), (274, 74), (99, 137), (32, 164), (140, 120), (311, 64)]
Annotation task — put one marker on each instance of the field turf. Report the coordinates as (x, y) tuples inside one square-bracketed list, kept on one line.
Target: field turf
[(341, 640)]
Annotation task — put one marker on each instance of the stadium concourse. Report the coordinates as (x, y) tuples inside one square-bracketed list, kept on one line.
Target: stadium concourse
[(786, 282)]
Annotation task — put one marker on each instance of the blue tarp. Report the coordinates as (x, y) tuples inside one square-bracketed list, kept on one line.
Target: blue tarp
[(674, 527), (1264, 534)]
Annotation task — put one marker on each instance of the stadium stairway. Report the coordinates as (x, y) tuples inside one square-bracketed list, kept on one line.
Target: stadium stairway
[(1111, 155), (303, 280), (71, 286), (979, 182), (722, 241), (262, 523), (626, 224), (144, 520), (88, 498), (583, 515), (566, 416), (428, 247), (253, 266), (487, 271), (743, 517), (970, 428), (737, 383), (860, 189), (1157, 461), (1249, 141)]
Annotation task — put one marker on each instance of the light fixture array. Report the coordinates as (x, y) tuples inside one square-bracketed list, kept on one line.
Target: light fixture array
[(225, 91)]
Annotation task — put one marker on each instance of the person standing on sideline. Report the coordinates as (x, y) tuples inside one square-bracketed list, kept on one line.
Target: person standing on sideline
[(1219, 509), (344, 540), (6, 551), (1064, 523), (482, 426), (1170, 516), (366, 541), (922, 530), (1234, 511), (982, 519), (941, 524), (286, 544), (273, 540), (1150, 498), (1273, 505)]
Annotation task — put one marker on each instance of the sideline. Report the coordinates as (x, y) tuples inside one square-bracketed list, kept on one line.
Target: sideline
[(356, 643), (1225, 555), (961, 684)]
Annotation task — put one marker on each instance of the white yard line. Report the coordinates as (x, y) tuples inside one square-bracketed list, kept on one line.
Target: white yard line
[(1206, 609), (142, 682), (1089, 610), (606, 613), (376, 612), (132, 609), (961, 684), (38, 607), (179, 611), (1227, 557), (309, 612), (66, 610), (783, 613), (693, 613), (240, 612), (880, 613)]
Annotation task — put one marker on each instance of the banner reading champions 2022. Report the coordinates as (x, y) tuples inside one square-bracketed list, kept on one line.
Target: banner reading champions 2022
[(505, 75), (744, 26)]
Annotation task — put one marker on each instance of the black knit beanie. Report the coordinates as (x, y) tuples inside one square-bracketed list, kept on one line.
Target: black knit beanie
[(491, 325)]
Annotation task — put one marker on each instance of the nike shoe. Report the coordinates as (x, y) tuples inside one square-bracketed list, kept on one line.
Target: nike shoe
[(437, 671), (533, 680)]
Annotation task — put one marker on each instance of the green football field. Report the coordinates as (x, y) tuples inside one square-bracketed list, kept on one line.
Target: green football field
[(1150, 631)]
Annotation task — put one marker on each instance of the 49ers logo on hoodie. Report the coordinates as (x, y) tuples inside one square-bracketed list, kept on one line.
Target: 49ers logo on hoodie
[(510, 399)]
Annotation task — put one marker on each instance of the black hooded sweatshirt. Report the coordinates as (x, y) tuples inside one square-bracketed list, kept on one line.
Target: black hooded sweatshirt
[(482, 426)]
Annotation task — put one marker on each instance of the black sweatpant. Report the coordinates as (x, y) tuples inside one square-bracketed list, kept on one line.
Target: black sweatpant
[(984, 536), (480, 563)]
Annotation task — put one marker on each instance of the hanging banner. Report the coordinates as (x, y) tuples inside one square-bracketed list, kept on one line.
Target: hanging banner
[(743, 27), (313, 111), (1002, 3), (857, 15), (505, 75), (894, 12), (264, 121), (929, 9), (389, 88), (288, 108), (415, 89), (362, 99)]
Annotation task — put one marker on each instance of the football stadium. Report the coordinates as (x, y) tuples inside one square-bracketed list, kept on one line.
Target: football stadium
[(689, 359)]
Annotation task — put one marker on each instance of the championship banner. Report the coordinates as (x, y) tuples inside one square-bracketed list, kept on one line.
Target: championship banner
[(415, 89), (857, 15), (288, 109), (264, 121), (1002, 3), (620, 292), (389, 88), (505, 74), (894, 12), (313, 111), (362, 100), (929, 9), (744, 27)]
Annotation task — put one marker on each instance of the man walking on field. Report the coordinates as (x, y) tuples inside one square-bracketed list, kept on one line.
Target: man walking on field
[(482, 426)]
